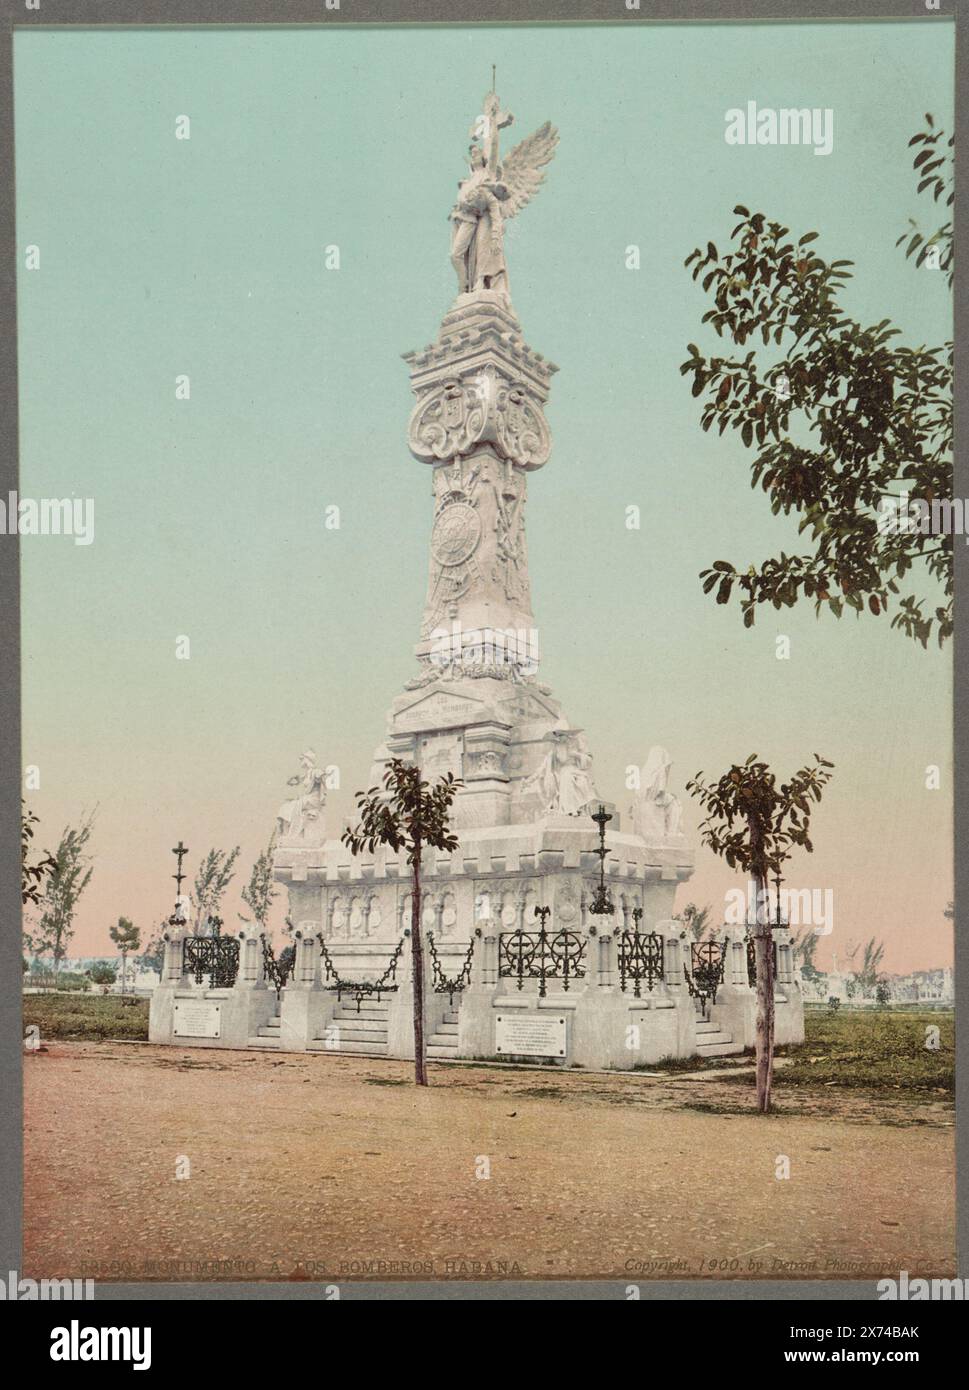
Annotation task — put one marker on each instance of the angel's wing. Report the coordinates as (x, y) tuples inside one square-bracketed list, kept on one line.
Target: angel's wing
[(521, 169)]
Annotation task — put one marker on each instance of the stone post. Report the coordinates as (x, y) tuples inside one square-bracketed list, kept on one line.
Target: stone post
[(306, 964), (609, 961), (305, 1008), (172, 965), (400, 1014), (676, 955), (475, 1026), (251, 972)]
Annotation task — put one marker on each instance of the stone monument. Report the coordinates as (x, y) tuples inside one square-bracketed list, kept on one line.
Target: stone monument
[(499, 983)]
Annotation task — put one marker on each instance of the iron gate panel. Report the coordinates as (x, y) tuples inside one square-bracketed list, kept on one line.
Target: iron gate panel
[(640, 958), (704, 979), (214, 956), (541, 955)]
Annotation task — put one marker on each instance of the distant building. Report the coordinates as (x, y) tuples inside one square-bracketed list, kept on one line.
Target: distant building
[(936, 987)]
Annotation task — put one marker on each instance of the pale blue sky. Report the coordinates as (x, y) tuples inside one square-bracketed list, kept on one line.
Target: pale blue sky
[(206, 257)]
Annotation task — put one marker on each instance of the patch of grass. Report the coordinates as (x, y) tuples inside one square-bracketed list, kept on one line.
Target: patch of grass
[(87, 1017), (672, 1065), (386, 1081), (874, 1050)]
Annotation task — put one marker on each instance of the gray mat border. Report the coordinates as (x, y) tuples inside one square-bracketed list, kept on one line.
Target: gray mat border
[(55, 14)]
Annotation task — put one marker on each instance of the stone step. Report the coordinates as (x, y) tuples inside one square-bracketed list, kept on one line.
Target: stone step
[(361, 1025), (448, 1028), (361, 1049), (438, 1050), (360, 1035), (263, 1041), (721, 1049), (706, 1026), (717, 1036), (269, 1030), (348, 1011)]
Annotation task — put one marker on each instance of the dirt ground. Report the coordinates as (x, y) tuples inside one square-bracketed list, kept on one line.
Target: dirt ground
[(150, 1162)]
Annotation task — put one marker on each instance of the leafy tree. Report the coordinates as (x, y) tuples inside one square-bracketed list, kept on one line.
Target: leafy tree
[(126, 937), (754, 825), (804, 944), (63, 887), (408, 814), (696, 920), (211, 880), (867, 972), (31, 875), (834, 1003), (260, 891), (843, 425), (103, 974), (883, 994), (153, 956), (936, 174)]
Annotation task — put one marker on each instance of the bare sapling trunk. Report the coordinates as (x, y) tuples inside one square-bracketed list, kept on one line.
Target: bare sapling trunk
[(417, 949), (764, 962)]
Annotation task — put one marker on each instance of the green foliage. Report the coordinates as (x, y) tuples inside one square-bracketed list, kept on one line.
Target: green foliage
[(92, 1018), (407, 814), (125, 935), (211, 881), (31, 875), (260, 891), (872, 1049), (696, 920), (804, 944), (936, 174), (838, 419), (63, 887), (153, 956), (867, 973), (751, 822), (43, 977), (103, 974)]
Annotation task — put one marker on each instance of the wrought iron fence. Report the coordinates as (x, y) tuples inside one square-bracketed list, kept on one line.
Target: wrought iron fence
[(704, 979), (541, 955), (362, 989), (214, 956), (640, 958), (278, 971), (454, 985)]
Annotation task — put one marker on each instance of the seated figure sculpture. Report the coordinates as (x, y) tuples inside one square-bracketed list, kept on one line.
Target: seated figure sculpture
[(562, 783), (657, 813), (301, 818)]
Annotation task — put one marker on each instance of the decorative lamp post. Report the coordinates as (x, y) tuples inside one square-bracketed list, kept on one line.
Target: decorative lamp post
[(178, 918), (602, 905)]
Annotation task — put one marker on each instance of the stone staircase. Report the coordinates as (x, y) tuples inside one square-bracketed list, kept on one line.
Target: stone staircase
[(443, 1043), (712, 1041), (364, 1033), (268, 1034)]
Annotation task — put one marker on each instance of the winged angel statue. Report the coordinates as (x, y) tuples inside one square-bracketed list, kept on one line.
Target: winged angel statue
[(493, 192)]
